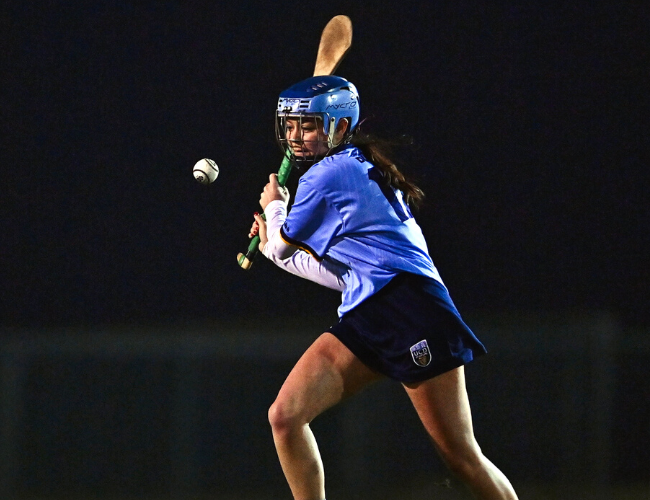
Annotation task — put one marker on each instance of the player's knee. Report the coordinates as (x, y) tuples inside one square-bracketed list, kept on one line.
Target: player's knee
[(282, 418)]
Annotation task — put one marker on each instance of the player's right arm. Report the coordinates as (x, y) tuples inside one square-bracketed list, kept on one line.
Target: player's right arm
[(288, 257), (269, 228)]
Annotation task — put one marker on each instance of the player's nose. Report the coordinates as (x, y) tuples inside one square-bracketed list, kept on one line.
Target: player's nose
[(293, 134)]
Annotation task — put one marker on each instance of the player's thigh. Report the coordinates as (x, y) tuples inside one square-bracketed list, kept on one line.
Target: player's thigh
[(326, 374), (443, 407)]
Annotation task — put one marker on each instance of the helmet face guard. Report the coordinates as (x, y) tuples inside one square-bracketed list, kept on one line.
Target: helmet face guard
[(304, 151), (323, 101)]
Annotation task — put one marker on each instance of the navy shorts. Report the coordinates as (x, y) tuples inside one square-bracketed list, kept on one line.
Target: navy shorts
[(409, 330)]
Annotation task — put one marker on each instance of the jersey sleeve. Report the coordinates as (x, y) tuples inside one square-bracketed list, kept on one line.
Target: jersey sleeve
[(312, 222)]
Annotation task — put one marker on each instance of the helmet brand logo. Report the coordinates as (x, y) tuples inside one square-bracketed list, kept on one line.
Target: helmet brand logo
[(343, 105)]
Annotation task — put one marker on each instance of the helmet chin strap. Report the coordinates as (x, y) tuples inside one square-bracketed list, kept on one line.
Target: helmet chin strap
[(303, 164)]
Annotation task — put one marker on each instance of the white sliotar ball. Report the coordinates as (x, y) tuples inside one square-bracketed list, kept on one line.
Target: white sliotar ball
[(205, 171)]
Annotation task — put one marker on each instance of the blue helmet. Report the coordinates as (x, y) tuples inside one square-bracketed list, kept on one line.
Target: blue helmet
[(326, 98)]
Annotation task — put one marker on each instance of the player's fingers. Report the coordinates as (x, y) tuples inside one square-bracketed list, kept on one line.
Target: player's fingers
[(262, 226), (255, 227)]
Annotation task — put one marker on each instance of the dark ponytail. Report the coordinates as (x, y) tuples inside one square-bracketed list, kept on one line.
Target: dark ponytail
[(378, 151)]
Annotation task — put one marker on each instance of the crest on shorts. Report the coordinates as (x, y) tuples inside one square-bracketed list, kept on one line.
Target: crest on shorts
[(421, 353)]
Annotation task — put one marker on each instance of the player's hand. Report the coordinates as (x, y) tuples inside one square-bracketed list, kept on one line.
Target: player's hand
[(259, 227), (273, 191)]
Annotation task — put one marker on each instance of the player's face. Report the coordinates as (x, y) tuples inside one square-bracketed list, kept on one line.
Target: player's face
[(306, 137)]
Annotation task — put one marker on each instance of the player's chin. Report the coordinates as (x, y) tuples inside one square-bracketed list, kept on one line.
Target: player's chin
[(305, 154)]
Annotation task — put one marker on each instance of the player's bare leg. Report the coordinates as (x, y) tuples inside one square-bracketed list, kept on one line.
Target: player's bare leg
[(443, 407), (326, 374)]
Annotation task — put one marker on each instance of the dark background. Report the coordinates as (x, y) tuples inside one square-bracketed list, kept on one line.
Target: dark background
[(529, 122), (126, 324)]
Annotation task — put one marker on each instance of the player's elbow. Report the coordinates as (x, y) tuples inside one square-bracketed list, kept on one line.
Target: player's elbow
[(284, 251), (277, 249)]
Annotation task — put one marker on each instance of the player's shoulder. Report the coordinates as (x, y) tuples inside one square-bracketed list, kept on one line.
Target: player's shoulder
[(345, 154), (343, 162)]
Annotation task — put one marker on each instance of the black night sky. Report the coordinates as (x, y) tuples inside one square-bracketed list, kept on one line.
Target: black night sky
[(529, 122)]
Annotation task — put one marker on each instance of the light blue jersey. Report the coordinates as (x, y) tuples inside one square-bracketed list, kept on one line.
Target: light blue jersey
[(342, 213)]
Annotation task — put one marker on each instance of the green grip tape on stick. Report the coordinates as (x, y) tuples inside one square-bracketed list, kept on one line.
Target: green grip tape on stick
[(245, 261)]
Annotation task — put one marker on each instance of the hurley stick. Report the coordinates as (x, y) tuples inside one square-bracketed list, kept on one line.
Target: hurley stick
[(335, 42)]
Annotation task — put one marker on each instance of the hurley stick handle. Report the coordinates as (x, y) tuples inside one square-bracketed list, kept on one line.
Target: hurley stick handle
[(245, 261)]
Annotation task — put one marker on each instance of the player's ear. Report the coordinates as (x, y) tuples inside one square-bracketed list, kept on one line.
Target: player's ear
[(341, 128), (343, 125)]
